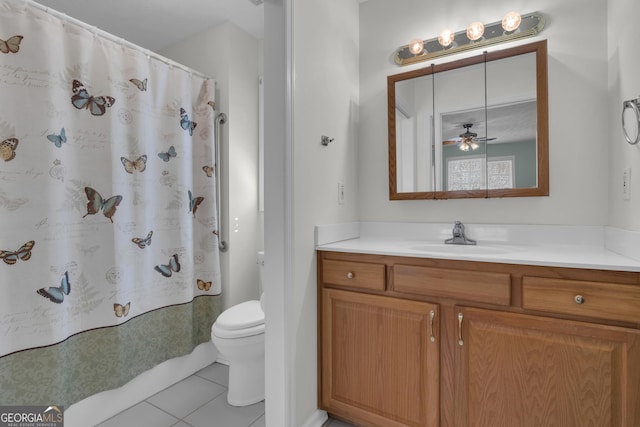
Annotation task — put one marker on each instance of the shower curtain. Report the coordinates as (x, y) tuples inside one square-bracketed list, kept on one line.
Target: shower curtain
[(109, 258)]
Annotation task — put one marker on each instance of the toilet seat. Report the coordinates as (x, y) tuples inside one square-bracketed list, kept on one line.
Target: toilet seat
[(243, 320)]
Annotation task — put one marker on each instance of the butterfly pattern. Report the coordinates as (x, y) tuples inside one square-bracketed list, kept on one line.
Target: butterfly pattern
[(167, 269), (202, 285), (97, 203), (11, 45), (185, 123), (56, 294), (139, 164), (76, 160), (58, 140), (143, 243), (8, 149), (23, 253), (194, 202), (121, 310), (97, 105), (169, 154), (141, 85)]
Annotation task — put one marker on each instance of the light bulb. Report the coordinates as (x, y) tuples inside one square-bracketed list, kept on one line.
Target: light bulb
[(416, 46), (475, 30), (464, 146), (446, 37), (511, 21), (474, 145)]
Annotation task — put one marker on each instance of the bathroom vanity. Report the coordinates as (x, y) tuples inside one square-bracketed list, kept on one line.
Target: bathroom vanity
[(440, 341)]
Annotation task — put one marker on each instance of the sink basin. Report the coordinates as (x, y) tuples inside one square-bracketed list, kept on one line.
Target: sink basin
[(478, 249)]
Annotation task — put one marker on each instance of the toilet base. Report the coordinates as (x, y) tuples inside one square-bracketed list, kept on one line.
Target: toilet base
[(246, 383)]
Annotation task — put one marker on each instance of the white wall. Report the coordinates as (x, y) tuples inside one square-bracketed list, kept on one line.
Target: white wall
[(578, 111), (325, 46), (624, 84), (232, 57), (311, 89)]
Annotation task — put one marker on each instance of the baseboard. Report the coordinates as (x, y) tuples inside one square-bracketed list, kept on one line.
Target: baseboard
[(102, 406), (222, 360), (317, 419)]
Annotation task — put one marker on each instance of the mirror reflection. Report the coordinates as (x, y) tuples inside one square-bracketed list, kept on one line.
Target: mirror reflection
[(471, 128)]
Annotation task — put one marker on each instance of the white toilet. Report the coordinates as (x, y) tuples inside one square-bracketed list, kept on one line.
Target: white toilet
[(238, 334)]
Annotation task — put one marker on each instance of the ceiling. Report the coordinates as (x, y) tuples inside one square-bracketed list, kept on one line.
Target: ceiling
[(512, 122), (156, 24)]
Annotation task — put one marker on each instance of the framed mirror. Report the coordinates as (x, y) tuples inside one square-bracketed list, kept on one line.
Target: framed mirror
[(471, 128)]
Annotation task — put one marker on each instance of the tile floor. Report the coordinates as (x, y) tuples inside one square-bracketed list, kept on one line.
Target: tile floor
[(197, 401)]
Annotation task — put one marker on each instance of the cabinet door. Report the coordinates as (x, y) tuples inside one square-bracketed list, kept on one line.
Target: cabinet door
[(518, 370), (380, 359)]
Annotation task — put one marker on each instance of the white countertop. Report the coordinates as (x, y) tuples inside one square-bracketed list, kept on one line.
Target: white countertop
[(586, 249)]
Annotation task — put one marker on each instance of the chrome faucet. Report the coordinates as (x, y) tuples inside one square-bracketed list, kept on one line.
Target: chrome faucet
[(458, 236)]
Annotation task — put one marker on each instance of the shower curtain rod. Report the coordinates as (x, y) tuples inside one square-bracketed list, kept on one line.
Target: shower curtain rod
[(119, 40)]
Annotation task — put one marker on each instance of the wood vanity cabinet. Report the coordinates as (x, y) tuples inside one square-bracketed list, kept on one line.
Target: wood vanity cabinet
[(426, 342)]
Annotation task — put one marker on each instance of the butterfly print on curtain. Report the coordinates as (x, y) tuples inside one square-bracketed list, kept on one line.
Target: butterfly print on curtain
[(97, 105), (166, 269), (97, 203), (23, 253), (8, 149), (11, 45), (139, 164), (56, 294), (186, 123), (59, 139)]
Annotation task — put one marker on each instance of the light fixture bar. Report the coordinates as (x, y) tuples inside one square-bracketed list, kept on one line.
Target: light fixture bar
[(531, 24)]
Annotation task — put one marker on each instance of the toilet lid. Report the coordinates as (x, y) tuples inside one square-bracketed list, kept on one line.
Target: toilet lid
[(244, 315)]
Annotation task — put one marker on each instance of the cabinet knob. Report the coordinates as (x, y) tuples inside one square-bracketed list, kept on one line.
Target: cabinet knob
[(350, 275), (579, 299)]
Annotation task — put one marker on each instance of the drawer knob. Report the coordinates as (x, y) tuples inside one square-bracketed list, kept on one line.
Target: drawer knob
[(350, 275), (579, 299)]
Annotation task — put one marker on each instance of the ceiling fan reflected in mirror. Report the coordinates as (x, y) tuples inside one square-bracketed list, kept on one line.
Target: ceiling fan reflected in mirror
[(467, 140)]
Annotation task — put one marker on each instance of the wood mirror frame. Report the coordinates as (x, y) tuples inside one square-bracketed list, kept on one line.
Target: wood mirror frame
[(542, 122)]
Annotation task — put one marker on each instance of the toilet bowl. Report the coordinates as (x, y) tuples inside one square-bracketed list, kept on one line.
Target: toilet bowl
[(238, 334)]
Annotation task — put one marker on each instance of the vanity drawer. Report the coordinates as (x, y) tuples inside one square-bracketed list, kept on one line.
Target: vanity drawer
[(352, 274), (477, 286), (593, 299)]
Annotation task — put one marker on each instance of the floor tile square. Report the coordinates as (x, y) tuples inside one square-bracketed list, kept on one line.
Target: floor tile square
[(216, 372), (218, 413), (186, 396), (141, 415), (260, 422)]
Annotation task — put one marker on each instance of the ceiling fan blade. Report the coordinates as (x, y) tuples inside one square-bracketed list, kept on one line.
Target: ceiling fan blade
[(450, 142)]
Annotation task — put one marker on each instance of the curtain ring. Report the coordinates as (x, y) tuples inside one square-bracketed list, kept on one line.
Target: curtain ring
[(633, 104)]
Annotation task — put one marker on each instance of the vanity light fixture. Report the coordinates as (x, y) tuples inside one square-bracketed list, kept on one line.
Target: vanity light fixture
[(416, 46), (475, 31), (512, 26), (511, 21), (446, 38)]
